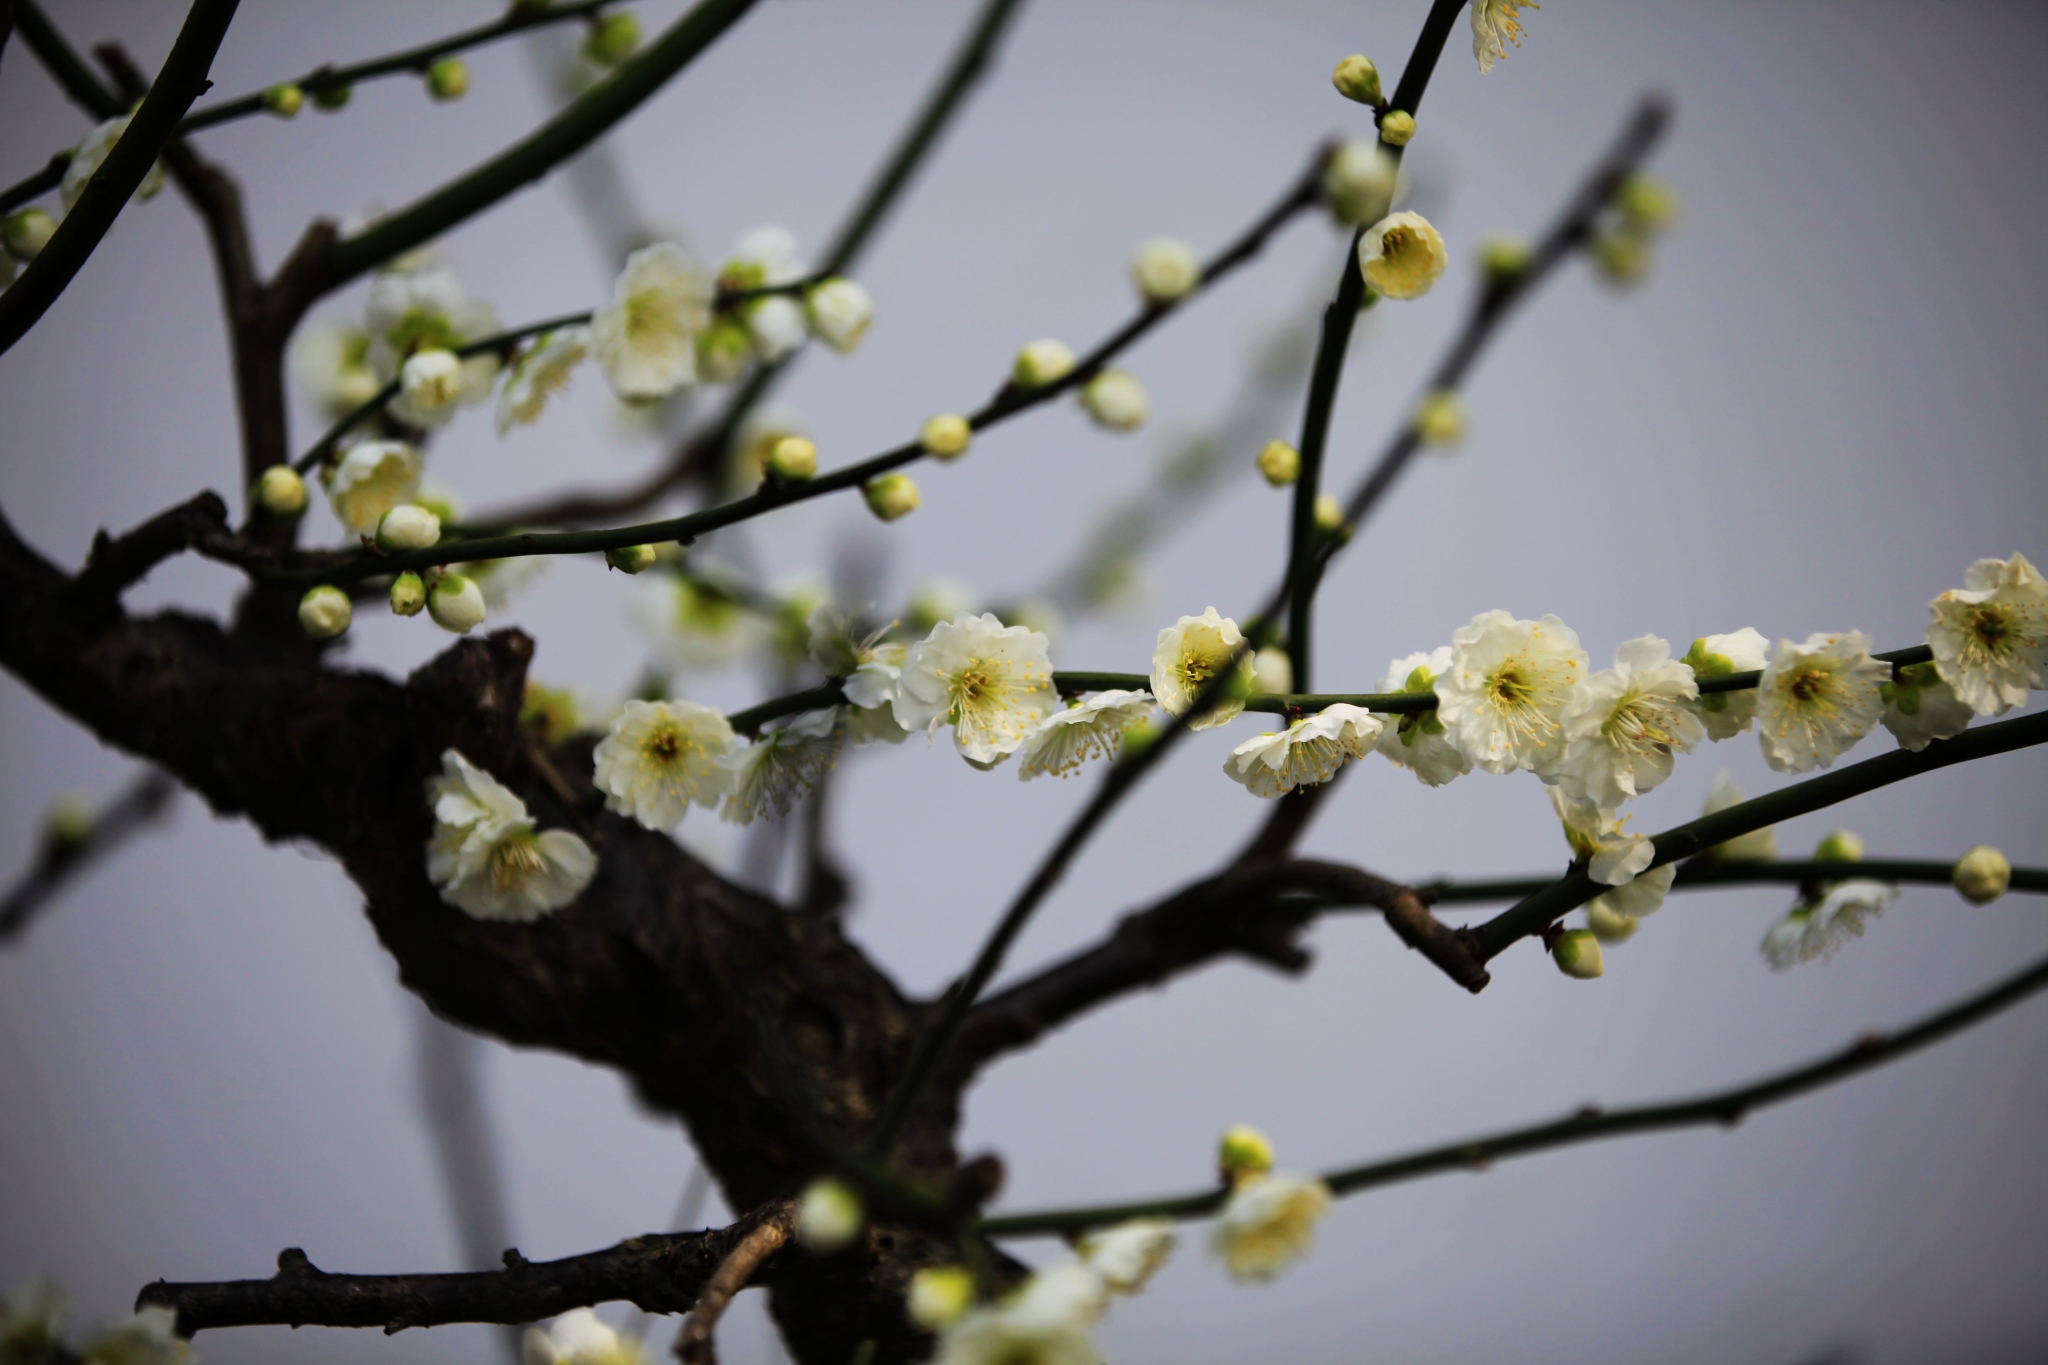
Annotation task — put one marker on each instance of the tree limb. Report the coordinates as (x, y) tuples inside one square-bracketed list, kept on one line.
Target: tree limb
[(59, 861), (771, 1231)]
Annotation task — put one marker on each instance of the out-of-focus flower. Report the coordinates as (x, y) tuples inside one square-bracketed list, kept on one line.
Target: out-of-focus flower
[(91, 153), (1819, 929), (1359, 182), (486, 856), (1759, 845), (541, 372), (646, 337), (1727, 714), (1129, 1254), (1920, 708), (780, 767), (840, 313), (1268, 1223)]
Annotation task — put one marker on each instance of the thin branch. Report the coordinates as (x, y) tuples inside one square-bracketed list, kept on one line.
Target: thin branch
[(37, 185), (768, 1236), (1725, 1108), (1709, 871), (1537, 912), (116, 563), (60, 859), (179, 83), (64, 64)]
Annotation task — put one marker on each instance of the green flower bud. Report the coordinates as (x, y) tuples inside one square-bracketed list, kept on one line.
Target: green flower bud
[(829, 1217), (612, 38), (794, 458), (27, 232), (892, 496), (1280, 463), (284, 100), (1504, 258), (1356, 78), (324, 612), (1244, 1151), (1839, 847), (946, 436), (1577, 954), (280, 491), (448, 79), (630, 559), (1397, 128), (408, 594), (329, 98)]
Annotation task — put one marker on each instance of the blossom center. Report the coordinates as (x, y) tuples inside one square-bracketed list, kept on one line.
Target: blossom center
[(1640, 725), (1810, 685), (515, 859)]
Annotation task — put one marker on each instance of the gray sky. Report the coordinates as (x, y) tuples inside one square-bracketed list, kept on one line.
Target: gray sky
[(1825, 403)]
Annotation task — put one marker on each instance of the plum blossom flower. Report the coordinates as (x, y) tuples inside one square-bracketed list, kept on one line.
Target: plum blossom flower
[(1308, 752), (1503, 697), (1614, 857), (662, 755), (1188, 654), (1920, 708), (1819, 928), (693, 625), (418, 304), (1128, 1255), (1094, 728), (1990, 637), (1727, 714), (1359, 181), (578, 1337), (486, 856), (91, 154), (147, 1336), (1402, 255), (1048, 1321), (429, 388), (646, 337), (1817, 699), (1495, 25), (372, 478), (1759, 845), (840, 312), (540, 373), (32, 1320), (1625, 725), (1416, 740), (992, 683), (781, 766), (1269, 1223)]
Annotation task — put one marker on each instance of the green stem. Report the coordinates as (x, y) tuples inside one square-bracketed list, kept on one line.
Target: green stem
[(107, 193), (1735, 872), (1724, 1107), (750, 721), (64, 64)]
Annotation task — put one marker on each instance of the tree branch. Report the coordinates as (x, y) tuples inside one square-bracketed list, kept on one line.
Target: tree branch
[(59, 860), (1698, 872), (768, 1235)]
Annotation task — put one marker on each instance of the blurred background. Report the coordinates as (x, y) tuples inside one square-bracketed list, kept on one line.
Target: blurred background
[(1825, 401)]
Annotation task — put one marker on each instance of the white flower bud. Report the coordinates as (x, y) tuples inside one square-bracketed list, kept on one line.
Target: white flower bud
[(408, 594), (1608, 924), (1440, 419), (456, 603), (794, 457), (1272, 670), (27, 232), (840, 313), (284, 100), (408, 527), (448, 79), (939, 1297), (946, 436), (429, 387), (324, 612), (1358, 184), (891, 496), (1577, 954), (1116, 400), (1329, 513), (630, 559), (1280, 463), (1041, 363), (1165, 269), (1982, 875), (829, 1217), (1397, 128), (1839, 847), (723, 349), (1244, 1151), (1356, 78), (281, 492)]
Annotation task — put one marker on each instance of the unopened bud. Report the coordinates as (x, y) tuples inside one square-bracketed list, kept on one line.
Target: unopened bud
[(408, 594), (794, 457), (1646, 204), (946, 436), (939, 1297), (68, 823), (1577, 954), (456, 603), (1440, 419), (430, 385), (1244, 1151), (1608, 924), (1272, 670), (448, 79), (630, 559), (324, 612), (839, 312), (612, 37), (1839, 847), (891, 496), (1397, 128), (1041, 363), (27, 232), (1116, 400), (332, 97), (1358, 184), (1622, 258), (1280, 463), (1504, 258), (281, 492), (723, 349), (829, 1216), (1982, 875), (1329, 513), (284, 100), (1356, 78), (1165, 269), (408, 527)]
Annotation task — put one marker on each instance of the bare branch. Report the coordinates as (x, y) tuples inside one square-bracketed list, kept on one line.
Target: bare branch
[(142, 805), (768, 1236)]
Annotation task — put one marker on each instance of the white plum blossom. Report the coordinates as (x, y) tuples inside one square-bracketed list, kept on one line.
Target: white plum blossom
[(1503, 697), (372, 478), (32, 1319), (541, 372), (869, 668), (1625, 725), (1049, 1320), (486, 856), (88, 156), (1165, 269), (1188, 654), (1360, 180), (776, 325), (578, 1337), (1417, 740), (329, 363), (1920, 708), (1402, 255), (417, 304), (1307, 752), (1728, 714), (1817, 699), (456, 603), (1990, 637), (659, 757), (1129, 1254), (1819, 929), (694, 626), (1613, 857), (992, 683), (1268, 1223), (1495, 25), (840, 311), (1759, 845), (147, 1336), (429, 388), (781, 766), (1094, 728), (646, 337), (766, 257)]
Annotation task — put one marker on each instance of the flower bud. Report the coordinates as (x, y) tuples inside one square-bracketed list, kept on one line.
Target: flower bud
[(1041, 363), (280, 491), (448, 79), (939, 1296), (408, 526), (1504, 258), (324, 612), (1839, 847), (630, 559), (284, 100), (456, 603), (1982, 875), (829, 1217), (1577, 954), (1356, 78), (1645, 204), (1116, 400), (1440, 419), (1272, 670), (1622, 258), (794, 457), (429, 386), (1608, 924), (891, 496), (1280, 463), (1244, 1151), (27, 232), (840, 311), (1329, 513), (1402, 255), (408, 594), (1358, 184), (946, 435), (68, 823), (612, 37), (1165, 269), (332, 97), (1397, 127), (723, 349)]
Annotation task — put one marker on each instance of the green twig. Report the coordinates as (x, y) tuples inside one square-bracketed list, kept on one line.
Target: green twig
[(1741, 872)]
